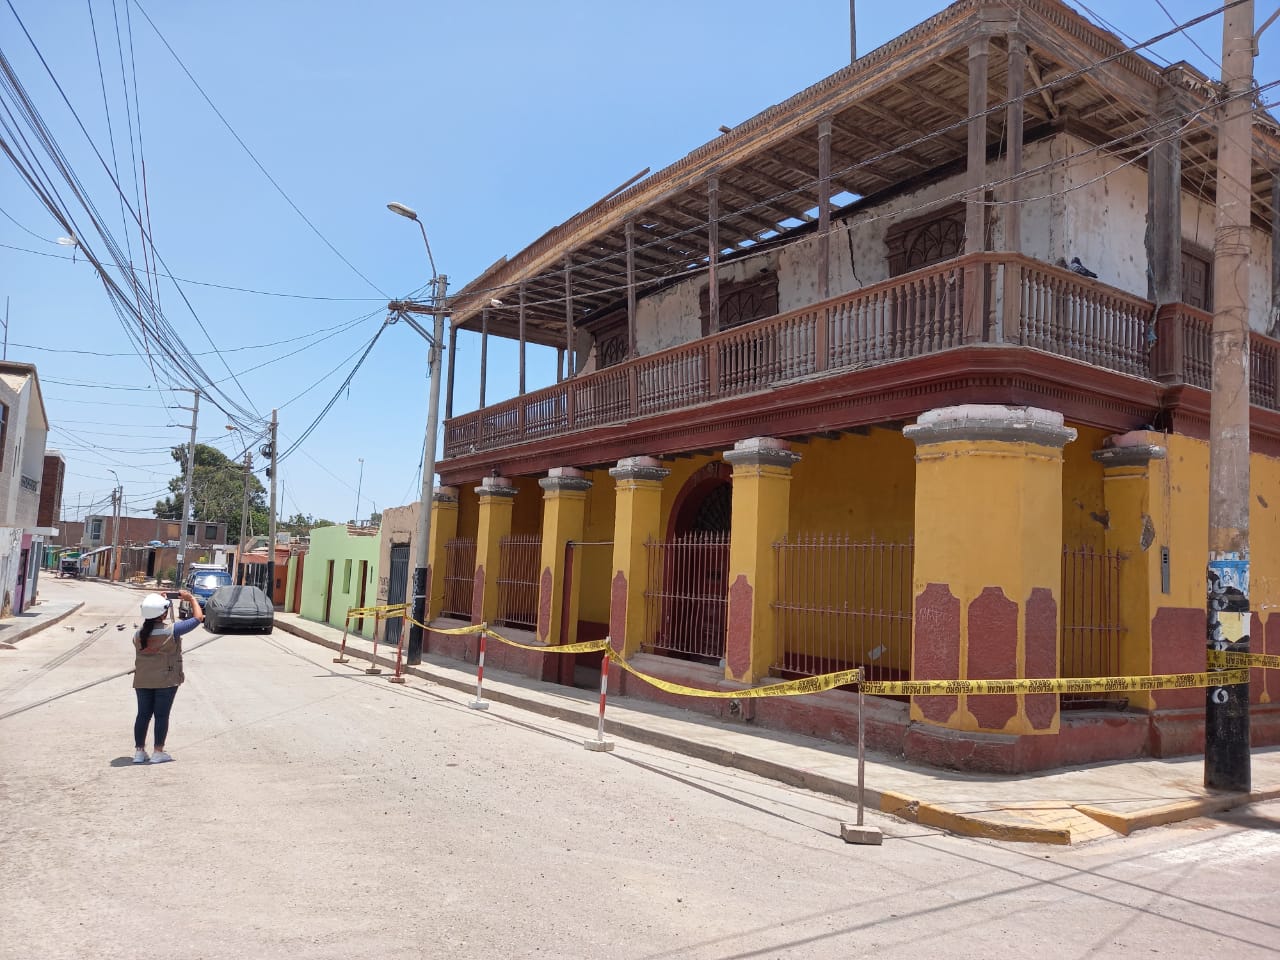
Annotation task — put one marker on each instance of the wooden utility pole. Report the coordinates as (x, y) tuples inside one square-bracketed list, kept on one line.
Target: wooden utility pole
[(1226, 740)]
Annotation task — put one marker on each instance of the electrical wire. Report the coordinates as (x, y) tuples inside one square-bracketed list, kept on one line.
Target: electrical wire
[(245, 146)]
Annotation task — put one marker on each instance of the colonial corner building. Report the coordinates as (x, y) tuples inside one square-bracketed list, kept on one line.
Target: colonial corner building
[(840, 389)]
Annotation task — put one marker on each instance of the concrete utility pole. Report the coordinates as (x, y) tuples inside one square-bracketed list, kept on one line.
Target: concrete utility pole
[(402, 309), (117, 493), (244, 517), (1226, 741), (187, 513), (423, 536), (271, 539)]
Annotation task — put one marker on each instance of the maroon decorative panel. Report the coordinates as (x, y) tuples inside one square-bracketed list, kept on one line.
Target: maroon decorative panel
[(1178, 646), (1041, 656), (739, 630), (993, 655), (618, 611), (477, 596), (936, 648), (545, 586)]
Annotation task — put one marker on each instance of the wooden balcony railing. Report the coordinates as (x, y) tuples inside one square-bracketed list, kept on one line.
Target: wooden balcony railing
[(991, 297), (1183, 352)]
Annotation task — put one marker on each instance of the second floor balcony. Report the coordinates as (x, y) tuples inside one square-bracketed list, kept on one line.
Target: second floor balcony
[(973, 316)]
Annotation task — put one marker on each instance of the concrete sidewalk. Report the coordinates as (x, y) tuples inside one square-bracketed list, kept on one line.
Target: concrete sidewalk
[(39, 616), (1061, 807)]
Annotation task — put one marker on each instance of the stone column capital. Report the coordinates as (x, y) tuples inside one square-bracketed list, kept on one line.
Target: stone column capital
[(496, 487), (639, 468), (444, 495), (559, 479), (979, 421), (1133, 449), (761, 452)]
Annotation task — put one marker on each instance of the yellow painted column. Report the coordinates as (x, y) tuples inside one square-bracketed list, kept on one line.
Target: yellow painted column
[(988, 560), (564, 507), (497, 496), (637, 519), (1134, 476), (444, 527), (761, 509)]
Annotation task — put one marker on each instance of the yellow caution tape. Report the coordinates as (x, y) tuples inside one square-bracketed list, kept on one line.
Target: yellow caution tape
[(1168, 681), (586, 646), (454, 631), (784, 688), (386, 611), (1225, 658)]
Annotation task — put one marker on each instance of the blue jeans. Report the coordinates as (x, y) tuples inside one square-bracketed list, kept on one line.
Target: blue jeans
[(153, 703)]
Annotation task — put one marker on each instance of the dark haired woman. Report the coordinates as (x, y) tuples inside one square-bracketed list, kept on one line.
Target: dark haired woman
[(157, 671)]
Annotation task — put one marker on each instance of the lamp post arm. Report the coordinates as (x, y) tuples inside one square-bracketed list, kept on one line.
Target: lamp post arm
[(430, 259)]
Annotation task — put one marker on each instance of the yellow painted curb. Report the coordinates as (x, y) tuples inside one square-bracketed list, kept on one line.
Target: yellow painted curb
[(931, 815)]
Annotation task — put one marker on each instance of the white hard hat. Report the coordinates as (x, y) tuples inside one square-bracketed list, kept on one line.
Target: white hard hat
[(154, 605)]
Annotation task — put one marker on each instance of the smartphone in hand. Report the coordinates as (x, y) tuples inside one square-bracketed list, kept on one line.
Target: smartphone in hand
[(172, 595)]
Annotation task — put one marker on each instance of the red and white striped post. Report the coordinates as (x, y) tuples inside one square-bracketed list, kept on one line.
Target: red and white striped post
[(600, 744), (398, 676), (480, 703), (342, 651), (373, 663)]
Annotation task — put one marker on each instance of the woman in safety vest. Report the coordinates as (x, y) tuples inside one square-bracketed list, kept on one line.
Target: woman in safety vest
[(157, 670)]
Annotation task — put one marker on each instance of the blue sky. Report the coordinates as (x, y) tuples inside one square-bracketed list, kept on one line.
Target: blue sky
[(494, 120)]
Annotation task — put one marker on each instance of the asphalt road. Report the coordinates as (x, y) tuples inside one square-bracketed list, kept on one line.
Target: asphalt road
[(314, 811)]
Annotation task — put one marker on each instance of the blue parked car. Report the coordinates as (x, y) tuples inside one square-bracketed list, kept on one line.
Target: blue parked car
[(202, 583)]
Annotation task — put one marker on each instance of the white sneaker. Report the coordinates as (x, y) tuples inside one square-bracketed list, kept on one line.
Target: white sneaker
[(160, 757), (140, 756)]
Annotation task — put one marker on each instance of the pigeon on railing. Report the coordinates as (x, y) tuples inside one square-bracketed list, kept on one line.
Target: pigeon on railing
[(1080, 268)]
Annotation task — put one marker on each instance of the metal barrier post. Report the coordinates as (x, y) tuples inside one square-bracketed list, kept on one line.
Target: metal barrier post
[(600, 744), (342, 651), (856, 832), (398, 676), (480, 703)]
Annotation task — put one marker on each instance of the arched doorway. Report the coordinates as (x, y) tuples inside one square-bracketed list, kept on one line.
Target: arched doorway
[(695, 568)]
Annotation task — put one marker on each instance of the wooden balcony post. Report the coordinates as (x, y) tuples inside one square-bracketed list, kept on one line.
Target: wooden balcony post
[(1167, 356), (1008, 323), (1273, 328), (521, 321), (453, 353), (975, 234), (712, 322), (1164, 205), (631, 289), (569, 336), (824, 209), (484, 351)]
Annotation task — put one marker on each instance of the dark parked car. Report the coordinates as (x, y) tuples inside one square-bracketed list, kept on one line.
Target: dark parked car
[(239, 608)]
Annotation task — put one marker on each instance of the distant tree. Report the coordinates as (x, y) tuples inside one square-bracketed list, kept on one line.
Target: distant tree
[(217, 492), (375, 518)]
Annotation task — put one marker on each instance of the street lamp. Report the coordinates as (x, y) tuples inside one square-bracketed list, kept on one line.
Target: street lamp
[(436, 341)]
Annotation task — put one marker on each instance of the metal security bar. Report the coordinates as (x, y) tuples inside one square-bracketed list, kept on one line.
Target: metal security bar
[(519, 557), (686, 602), (1092, 631), (459, 577), (843, 603)]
